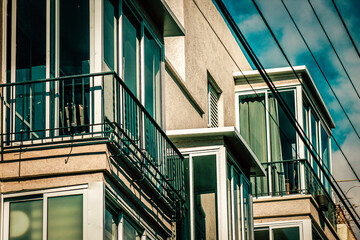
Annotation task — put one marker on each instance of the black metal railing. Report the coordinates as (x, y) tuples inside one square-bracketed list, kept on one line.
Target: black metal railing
[(88, 106), (294, 177)]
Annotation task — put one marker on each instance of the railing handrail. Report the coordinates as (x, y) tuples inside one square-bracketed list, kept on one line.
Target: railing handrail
[(308, 166), (122, 83), (54, 79)]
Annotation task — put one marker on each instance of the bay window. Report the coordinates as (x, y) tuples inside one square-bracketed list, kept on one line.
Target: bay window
[(271, 135)]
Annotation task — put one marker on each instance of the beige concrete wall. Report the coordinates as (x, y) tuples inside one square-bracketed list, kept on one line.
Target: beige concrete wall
[(287, 208), (209, 47)]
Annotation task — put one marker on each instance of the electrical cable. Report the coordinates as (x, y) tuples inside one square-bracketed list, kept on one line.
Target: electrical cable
[(347, 30), (258, 65), (331, 44), (301, 35), (297, 125)]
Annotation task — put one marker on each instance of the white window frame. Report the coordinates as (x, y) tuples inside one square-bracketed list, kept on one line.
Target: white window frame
[(301, 224), (242, 179), (28, 196)]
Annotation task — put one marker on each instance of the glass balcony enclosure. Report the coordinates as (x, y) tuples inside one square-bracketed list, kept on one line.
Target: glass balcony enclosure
[(96, 74), (289, 166)]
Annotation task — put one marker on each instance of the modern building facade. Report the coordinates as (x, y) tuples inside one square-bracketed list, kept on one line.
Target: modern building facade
[(126, 119), (295, 198)]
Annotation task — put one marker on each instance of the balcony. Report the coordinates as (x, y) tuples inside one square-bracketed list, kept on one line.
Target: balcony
[(290, 177), (83, 109)]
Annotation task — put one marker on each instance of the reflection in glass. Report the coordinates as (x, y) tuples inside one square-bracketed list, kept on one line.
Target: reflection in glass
[(65, 218), (26, 220), (204, 176)]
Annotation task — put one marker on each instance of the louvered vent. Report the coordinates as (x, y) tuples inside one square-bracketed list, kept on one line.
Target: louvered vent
[(213, 98)]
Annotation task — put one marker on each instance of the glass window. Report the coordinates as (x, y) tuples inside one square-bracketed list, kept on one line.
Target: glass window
[(26, 220), (152, 76), (306, 127), (205, 210), (129, 232), (290, 233), (62, 212), (247, 210), (229, 201), (253, 124), (111, 223), (131, 50), (65, 212), (110, 19), (314, 140), (325, 156), (261, 234), (237, 205)]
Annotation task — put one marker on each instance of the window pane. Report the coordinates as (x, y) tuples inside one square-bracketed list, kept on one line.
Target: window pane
[(65, 213), (110, 225), (314, 140), (253, 129), (325, 156), (247, 210), (30, 65), (252, 123), (131, 36), (74, 37), (306, 127), (205, 197), (283, 145), (262, 234), (152, 76), (130, 232), (109, 34), (26, 220), (237, 205), (291, 233), (229, 198)]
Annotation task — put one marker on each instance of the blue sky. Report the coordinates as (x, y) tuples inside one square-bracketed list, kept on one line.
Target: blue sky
[(259, 38)]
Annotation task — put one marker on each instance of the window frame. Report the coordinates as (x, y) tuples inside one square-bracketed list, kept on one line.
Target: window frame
[(41, 195), (281, 225), (234, 168)]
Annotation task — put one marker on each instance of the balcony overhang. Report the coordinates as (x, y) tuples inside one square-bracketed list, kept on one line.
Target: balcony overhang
[(232, 138), (162, 15)]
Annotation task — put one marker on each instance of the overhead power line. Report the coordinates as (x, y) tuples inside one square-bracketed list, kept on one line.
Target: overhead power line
[(302, 36), (298, 128), (347, 30), (331, 44), (268, 81)]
